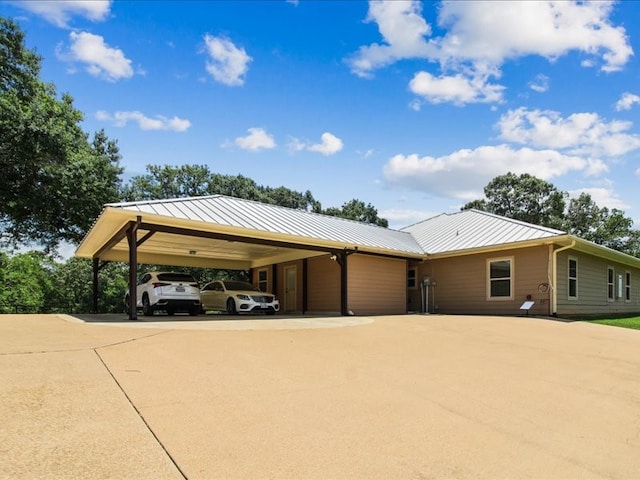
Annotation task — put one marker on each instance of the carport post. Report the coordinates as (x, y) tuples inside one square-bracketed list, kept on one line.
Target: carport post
[(343, 283), (95, 284), (133, 267)]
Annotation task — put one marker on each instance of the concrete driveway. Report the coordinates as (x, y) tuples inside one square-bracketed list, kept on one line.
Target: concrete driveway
[(396, 397)]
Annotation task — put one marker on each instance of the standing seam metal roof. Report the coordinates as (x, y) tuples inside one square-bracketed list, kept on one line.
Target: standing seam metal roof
[(471, 229), (249, 214)]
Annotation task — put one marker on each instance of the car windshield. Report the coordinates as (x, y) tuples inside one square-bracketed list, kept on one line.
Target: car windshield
[(235, 285), (176, 277)]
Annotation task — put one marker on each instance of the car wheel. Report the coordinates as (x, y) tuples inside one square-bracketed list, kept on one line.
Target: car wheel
[(231, 307), (147, 309), (170, 311), (194, 311)]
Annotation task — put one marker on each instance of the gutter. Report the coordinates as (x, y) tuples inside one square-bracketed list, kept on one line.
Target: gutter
[(554, 277)]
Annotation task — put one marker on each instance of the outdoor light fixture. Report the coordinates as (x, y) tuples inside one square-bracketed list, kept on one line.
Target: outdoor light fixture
[(334, 257)]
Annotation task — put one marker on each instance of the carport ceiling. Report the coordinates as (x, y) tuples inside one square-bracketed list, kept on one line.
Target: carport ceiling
[(197, 249)]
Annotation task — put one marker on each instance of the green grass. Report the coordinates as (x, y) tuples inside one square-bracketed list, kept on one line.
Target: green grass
[(626, 322)]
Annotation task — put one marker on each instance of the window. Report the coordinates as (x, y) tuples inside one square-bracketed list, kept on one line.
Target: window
[(500, 278), (573, 278), (610, 284), (411, 278), (262, 280), (627, 287)]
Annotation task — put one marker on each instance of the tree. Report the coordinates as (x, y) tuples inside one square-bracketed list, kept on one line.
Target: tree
[(74, 291), (357, 210), (196, 180), (523, 197), (25, 282), (54, 182), (532, 200), (600, 225)]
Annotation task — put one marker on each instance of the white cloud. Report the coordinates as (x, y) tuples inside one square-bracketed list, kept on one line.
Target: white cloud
[(227, 63), (456, 89), (495, 31), (402, 28), (60, 12), (579, 133), (539, 84), (100, 59), (637, 172), (329, 145), (627, 101), (464, 173), (604, 197), (120, 119), (481, 36), (258, 139)]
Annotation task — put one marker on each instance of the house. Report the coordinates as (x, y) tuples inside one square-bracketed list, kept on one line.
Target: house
[(470, 262)]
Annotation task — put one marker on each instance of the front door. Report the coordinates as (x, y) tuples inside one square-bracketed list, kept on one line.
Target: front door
[(290, 289)]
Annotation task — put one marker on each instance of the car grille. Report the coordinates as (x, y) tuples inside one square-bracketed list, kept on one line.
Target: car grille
[(262, 298)]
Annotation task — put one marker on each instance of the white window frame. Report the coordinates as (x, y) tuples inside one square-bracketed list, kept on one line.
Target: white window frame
[(611, 284), (570, 278), (510, 278), (627, 286)]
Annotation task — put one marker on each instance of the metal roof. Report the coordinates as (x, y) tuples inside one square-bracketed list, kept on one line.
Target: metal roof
[(262, 217), (473, 229), (218, 231)]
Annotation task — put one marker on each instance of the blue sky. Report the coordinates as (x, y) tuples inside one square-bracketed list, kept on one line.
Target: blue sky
[(410, 106)]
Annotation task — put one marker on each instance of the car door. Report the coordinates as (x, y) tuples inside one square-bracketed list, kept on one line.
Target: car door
[(210, 296), (218, 296), (140, 288)]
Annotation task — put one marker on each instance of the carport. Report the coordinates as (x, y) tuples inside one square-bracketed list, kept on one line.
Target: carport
[(229, 233)]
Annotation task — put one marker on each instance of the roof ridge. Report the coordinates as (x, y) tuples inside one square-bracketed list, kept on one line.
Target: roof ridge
[(515, 220)]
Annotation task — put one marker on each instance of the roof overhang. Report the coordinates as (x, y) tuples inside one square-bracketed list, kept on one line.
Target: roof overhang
[(168, 240)]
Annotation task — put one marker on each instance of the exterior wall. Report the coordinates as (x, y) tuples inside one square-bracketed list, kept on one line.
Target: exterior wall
[(323, 285), (592, 286), (461, 283), (376, 285)]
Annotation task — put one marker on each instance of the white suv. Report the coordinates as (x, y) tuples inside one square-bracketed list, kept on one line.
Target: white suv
[(169, 291)]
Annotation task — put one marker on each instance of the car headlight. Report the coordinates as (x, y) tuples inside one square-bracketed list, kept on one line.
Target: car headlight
[(242, 297)]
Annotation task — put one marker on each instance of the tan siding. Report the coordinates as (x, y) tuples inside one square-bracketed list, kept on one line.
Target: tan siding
[(592, 286), (376, 285), (461, 283), (323, 285)]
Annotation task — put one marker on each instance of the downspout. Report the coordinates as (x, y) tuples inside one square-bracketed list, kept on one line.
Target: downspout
[(554, 277)]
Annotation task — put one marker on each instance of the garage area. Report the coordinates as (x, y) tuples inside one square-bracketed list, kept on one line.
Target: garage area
[(230, 233)]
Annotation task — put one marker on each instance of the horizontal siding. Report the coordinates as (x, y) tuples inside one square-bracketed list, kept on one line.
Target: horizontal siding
[(323, 285), (376, 285), (592, 296), (461, 283)]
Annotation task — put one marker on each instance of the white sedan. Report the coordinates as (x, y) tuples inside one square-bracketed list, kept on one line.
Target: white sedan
[(234, 297)]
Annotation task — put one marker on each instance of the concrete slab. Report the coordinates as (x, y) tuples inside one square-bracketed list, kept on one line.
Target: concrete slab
[(390, 397)]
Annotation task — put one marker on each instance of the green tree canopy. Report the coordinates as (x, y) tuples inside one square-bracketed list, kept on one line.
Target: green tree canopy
[(357, 210), (536, 201), (523, 197), (54, 181), (195, 180)]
